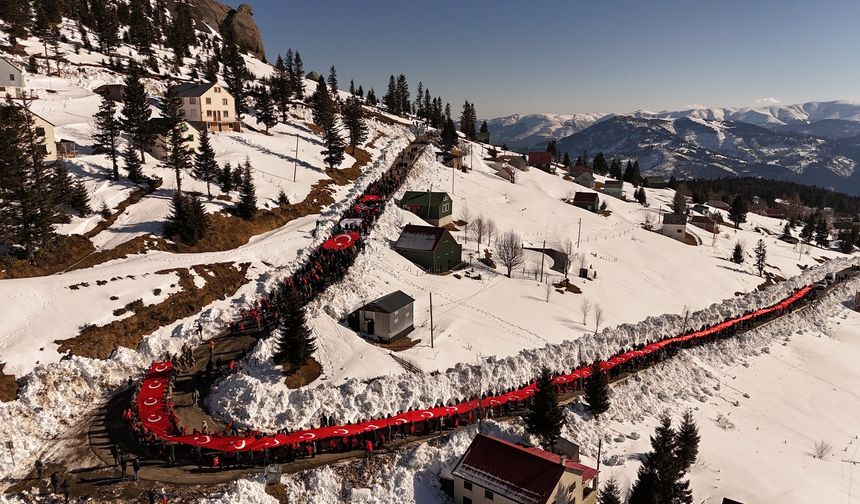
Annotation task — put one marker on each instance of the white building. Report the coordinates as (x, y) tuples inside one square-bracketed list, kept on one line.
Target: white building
[(161, 147), (675, 226), (45, 133), (12, 80), (208, 104)]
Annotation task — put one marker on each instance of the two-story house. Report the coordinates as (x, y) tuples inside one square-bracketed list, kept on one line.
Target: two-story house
[(208, 105)]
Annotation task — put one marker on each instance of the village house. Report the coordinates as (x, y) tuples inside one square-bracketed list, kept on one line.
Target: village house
[(434, 207), (160, 148), (432, 248), (775, 212), (507, 172), (541, 160), (614, 188), (518, 162), (587, 200), (500, 472), (719, 205), (12, 80), (208, 105), (702, 209), (113, 92), (44, 130), (654, 182), (706, 222), (581, 175), (385, 319), (452, 158), (675, 226)]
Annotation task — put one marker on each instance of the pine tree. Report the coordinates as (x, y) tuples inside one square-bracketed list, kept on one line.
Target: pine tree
[(205, 166), (140, 30), (552, 148), (79, 199), (664, 469), (822, 234), (266, 109), (738, 253), (467, 121), (225, 180), (738, 211), (566, 162), (371, 98), (299, 76), (808, 231), (628, 172), (544, 417), (599, 165), (282, 87), (615, 169), (611, 493), (760, 257), (27, 213), (132, 164), (16, 14), (107, 134), (597, 391), (247, 206), (61, 186), (485, 129), (181, 35), (679, 201), (178, 156), (404, 104), (187, 221), (786, 231), (390, 99), (106, 24), (688, 442), (332, 82), (136, 112), (295, 343), (354, 120), (449, 134), (235, 73)]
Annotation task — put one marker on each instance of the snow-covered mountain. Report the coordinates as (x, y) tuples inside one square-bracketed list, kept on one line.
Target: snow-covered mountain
[(775, 115), (697, 147), (527, 131)]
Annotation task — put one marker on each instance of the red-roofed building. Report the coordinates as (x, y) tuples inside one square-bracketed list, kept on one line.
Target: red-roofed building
[(496, 471), (541, 159)]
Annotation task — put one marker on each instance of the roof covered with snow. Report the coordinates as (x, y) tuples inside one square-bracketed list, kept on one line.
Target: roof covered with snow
[(424, 238)]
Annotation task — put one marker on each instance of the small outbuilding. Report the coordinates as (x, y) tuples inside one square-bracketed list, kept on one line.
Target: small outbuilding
[(706, 222), (581, 175), (434, 207), (432, 248), (614, 188), (654, 182), (113, 92), (719, 205), (586, 200), (385, 319), (675, 226), (518, 162)]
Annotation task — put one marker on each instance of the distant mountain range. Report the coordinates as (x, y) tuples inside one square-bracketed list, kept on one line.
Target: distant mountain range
[(811, 143)]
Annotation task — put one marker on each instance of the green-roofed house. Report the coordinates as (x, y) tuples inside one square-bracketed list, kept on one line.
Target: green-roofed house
[(433, 207)]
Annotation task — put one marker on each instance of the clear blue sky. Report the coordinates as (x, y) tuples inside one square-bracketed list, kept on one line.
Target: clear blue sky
[(579, 56)]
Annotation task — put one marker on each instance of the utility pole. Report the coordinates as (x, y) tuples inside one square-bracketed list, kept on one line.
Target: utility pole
[(431, 320), (296, 158), (429, 197), (579, 233), (599, 448), (543, 253)]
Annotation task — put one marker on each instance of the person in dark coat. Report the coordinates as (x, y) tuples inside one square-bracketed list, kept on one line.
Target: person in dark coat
[(150, 496), (135, 467), (123, 463), (55, 482), (114, 454), (65, 488), (40, 468)]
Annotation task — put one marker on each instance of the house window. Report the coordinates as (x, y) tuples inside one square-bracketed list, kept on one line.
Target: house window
[(467, 485), (40, 131), (446, 207), (488, 495), (2, 88), (467, 500), (226, 114), (208, 101), (192, 100), (217, 89), (224, 101), (208, 113), (12, 77), (182, 112)]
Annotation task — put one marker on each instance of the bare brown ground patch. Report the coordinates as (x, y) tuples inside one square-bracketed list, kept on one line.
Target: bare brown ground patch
[(307, 373), (8, 386), (399, 344), (222, 280)]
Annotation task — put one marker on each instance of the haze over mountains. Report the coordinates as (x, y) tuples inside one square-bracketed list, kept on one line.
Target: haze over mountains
[(812, 143)]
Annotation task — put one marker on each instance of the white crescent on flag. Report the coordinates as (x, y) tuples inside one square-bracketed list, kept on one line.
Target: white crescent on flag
[(240, 445), (427, 414), (451, 409), (153, 418), (155, 384), (371, 427), (273, 442), (199, 439), (150, 401), (341, 432), (343, 240), (308, 435), (400, 421), (161, 368)]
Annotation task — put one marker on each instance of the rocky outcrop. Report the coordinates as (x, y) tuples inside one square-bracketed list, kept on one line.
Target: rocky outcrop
[(240, 22)]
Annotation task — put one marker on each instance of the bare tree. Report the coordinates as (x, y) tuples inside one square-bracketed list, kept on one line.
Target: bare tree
[(821, 449), (686, 312), (466, 217), (567, 248), (598, 317), (585, 307), (549, 289), (492, 229), (479, 230), (509, 249)]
